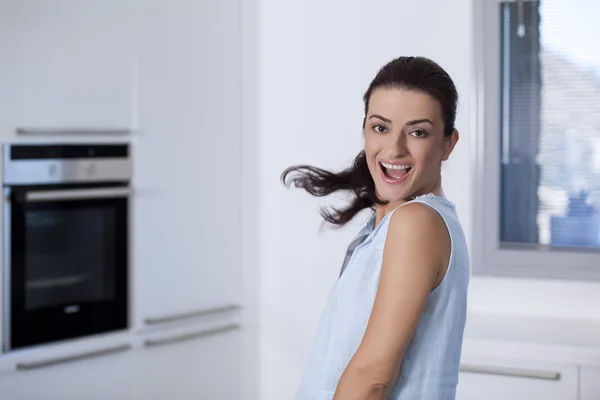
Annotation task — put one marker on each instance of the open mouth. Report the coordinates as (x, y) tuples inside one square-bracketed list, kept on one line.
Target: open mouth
[(394, 173)]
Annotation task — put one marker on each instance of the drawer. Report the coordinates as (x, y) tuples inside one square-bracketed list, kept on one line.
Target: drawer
[(515, 380), (590, 384)]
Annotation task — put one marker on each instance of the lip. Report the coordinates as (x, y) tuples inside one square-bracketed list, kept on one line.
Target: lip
[(386, 179)]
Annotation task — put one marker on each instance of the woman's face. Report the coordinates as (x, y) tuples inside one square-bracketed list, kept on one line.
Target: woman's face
[(405, 143)]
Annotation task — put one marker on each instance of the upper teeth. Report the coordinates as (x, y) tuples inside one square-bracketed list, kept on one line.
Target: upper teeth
[(392, 166)]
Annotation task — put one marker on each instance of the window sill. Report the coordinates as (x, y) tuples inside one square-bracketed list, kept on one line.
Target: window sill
[(527, 338)]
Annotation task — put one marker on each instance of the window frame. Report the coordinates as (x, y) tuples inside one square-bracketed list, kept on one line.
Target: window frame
[(489, 258)]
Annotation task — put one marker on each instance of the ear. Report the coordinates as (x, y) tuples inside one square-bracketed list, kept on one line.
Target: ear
[(449, 144)]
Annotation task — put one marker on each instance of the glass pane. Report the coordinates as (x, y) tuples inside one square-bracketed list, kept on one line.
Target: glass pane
[(550, 141), (69, 256)]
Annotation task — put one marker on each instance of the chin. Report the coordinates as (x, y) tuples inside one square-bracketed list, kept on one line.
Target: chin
[(392, 196)]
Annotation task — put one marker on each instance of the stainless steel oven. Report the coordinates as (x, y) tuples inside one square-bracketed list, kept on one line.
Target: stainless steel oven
[(66, 234)]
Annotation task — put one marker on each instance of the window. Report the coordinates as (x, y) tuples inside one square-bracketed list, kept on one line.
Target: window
[(538, 138)]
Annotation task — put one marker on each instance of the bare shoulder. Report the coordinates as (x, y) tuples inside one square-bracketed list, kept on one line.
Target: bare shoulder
[(418, 224), (417, 238)]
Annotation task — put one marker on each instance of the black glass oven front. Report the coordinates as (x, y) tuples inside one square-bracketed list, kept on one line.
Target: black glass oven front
[(66, 254)]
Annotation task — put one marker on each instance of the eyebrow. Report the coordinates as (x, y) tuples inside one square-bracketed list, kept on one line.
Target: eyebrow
[(419, 121), (408, 123), (389, 121)]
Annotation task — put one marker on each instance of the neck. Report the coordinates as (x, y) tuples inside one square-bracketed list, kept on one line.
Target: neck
[(381, 210)]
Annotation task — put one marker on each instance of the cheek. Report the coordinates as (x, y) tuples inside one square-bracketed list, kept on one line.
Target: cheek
[(371, 150), (371, 164), (429, 154)]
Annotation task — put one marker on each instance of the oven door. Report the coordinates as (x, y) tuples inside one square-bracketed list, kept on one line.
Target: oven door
[(67, 264)]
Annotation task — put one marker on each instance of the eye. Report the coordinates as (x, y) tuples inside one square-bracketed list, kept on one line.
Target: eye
[(419, 133), (379, 128)]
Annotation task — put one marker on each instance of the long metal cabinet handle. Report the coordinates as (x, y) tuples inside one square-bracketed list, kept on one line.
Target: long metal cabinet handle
[(509, 371), (71, 358), (73, 131), (190, 336), (189, 315), (78, 194)]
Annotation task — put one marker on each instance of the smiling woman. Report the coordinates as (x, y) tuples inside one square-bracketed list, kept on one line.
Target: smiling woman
[(393, 325)]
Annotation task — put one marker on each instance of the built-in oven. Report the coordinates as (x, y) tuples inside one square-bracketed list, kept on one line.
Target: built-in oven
[(66, 261)]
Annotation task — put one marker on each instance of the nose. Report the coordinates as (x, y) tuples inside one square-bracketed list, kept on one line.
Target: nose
[(398, 146)]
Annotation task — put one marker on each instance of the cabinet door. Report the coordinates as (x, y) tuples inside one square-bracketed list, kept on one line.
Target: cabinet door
[(107, 376), (67, 63), (191, 365), (501, 380), (590, 384), (187, 224)]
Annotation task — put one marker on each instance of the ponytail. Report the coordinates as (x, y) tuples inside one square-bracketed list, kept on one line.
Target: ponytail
[(319, 182)]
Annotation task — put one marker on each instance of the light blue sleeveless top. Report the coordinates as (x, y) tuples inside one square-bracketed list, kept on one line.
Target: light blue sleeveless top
[(429, 368)]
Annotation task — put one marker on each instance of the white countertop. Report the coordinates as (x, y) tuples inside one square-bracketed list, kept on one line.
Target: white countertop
[(559, 340)]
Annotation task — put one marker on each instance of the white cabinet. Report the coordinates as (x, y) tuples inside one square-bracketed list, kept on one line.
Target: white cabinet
[(590, 383), (67, 63), (107, 376), (185, 364), (188, 366), (187, 210), (501, 380)]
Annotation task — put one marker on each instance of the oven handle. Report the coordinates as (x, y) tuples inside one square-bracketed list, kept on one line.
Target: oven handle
[(77, 194)]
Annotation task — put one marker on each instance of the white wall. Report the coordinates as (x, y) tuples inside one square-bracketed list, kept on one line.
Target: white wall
[(316, 59)]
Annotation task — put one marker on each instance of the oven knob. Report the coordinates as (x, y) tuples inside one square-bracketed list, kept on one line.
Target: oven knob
[(91, 169), (52, 169)]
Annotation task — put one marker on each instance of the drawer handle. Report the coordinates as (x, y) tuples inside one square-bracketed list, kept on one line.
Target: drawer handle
[(26, 366), (513, 372), (190, 336), (189, 315)]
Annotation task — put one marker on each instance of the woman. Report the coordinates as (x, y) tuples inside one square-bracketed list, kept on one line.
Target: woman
[(393, 325)]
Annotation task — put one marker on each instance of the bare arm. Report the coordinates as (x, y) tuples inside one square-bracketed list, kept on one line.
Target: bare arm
[(415, 255)]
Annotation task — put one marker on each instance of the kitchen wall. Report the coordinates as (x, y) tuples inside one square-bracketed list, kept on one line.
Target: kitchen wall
[(316, 59)]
